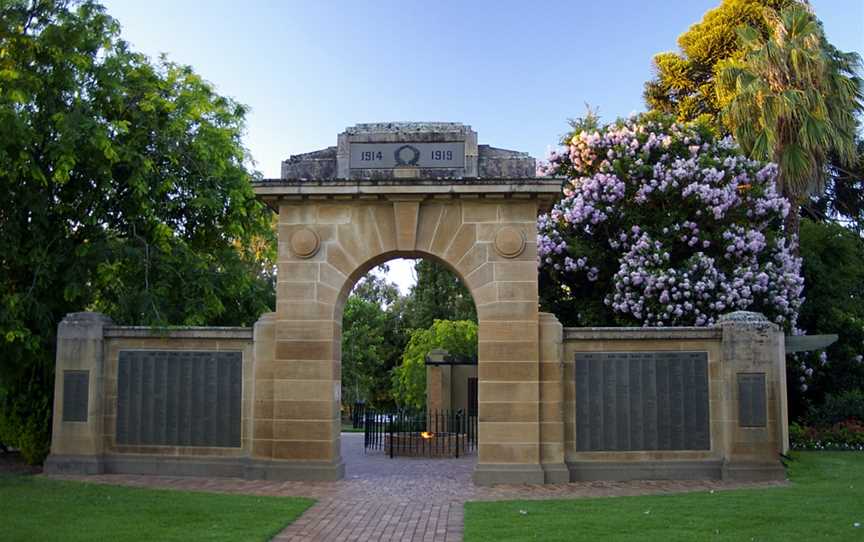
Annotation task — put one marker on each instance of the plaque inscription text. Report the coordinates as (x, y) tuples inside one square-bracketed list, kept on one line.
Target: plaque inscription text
[(642, 401), (393, 155), (179, 398)]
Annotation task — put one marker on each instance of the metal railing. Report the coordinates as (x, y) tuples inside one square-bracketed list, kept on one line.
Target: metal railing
[(431, 433)]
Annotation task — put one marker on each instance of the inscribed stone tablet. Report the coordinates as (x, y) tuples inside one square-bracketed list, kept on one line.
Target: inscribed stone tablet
[(393, 155)]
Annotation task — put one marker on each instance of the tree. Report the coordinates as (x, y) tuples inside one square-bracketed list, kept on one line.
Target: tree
[(663, 224), (362, 350), (843, 198), (373, 337), (792, 99), (375, 288), (685, 85), (684, 82), (437, 295), (378, 323), (833, 271), (124, 188), (409, 379)]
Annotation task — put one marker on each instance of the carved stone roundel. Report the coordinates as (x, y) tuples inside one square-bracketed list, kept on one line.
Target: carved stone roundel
[(509, 242), (304, 243)]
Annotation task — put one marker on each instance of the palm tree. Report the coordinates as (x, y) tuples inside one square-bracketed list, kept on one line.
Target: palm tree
[(794, 100)]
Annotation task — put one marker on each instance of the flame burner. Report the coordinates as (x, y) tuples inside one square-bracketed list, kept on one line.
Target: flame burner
[(426, 444)]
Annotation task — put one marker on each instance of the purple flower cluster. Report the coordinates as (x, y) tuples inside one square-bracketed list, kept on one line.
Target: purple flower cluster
[(677, 226)]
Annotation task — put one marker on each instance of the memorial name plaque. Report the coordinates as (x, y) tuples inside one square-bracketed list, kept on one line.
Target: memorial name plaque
[(179, 398), (752, 404), (642, 401), (393, 155), (76, 389)]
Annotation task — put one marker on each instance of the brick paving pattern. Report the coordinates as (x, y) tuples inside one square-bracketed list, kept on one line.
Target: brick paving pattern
[(398, 499)]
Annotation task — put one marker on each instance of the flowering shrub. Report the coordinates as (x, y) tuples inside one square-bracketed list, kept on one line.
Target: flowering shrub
[(662, 224), (845, 435)]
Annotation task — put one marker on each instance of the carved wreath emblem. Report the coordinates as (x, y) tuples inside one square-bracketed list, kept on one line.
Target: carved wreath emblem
[(407, 155)]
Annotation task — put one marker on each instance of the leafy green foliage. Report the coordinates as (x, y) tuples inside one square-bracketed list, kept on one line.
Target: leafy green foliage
[(438, 295), (35, 508), (684, 82), (843, 199), (370, 349), (378, 323), (458, 337), (373, 338), (833, 269), (124, 188), (792, 99), (838, 408), (685, 85)]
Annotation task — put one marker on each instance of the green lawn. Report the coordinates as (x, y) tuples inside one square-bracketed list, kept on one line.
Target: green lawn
[(34, 508), (823, 502)]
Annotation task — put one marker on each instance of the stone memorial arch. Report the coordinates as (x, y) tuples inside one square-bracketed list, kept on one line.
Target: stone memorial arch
[(406, 190), (554, 404)]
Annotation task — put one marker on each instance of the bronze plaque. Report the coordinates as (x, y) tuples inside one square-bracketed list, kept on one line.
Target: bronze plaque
[(752, 404), (633, 401), (76, 391), (179, 398)]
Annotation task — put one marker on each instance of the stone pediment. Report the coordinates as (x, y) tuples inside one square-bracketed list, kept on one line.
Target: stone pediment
[(409, 150)]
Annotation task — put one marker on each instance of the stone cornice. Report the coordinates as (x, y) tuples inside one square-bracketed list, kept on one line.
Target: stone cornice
[(642, 333), (184, 332), (272, 191)]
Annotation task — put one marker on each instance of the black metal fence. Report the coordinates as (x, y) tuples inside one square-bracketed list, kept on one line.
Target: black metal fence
[(432, 433), (358, 415)]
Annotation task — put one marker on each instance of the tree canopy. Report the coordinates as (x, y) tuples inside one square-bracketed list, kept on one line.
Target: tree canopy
[(789, 81), (664, 224), (124, 188), (686, 85), (437, 295), (373, 337), (458, 337), (792, 99), (379, 324), (684, 81)]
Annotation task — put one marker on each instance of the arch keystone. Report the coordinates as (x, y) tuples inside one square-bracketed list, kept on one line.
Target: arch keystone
[(406, 213)]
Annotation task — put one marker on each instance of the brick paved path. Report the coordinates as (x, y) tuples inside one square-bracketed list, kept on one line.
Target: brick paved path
[(397, 499)]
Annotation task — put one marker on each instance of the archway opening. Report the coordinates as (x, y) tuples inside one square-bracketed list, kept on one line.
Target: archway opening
[(408, 364)]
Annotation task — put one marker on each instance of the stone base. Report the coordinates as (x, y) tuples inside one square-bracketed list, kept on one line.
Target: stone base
[(316, 471), (583, 471), (555, 473), (490, 474), (73, 464), (753, 472), (218, 467), (221, 467)]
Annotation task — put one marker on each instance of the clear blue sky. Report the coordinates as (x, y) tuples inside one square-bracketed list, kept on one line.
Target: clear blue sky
[(515, 71)]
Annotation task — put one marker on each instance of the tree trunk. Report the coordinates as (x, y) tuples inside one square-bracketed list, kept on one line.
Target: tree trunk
[(793, 224)]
